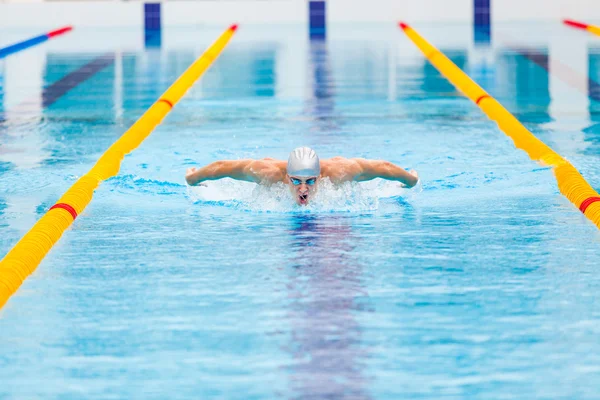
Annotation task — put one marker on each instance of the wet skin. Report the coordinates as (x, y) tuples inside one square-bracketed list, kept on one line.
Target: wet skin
[(268, 171), (301, 188)]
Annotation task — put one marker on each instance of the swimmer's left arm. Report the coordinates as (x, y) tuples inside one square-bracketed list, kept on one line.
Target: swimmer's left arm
[(371, 169)]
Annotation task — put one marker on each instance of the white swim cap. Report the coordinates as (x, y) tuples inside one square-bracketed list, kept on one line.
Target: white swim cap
[(303, 161)]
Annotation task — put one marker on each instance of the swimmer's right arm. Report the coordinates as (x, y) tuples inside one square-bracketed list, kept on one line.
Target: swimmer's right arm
[(235, 169)]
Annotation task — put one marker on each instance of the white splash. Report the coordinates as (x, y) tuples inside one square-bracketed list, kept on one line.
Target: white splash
[(347, 197)]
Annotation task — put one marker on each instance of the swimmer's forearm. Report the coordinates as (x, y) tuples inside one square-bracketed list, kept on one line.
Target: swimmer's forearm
[(399, 174), (389, 171), (218, 170), (209, 172)]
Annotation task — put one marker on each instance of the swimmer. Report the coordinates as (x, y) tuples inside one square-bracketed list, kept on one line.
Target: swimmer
[(302, 172)]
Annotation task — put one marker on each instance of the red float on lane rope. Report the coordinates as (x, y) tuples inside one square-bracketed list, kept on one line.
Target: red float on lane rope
[(575, 24), (588, 202), (67, 207), (481, 98), (59, 31), (166, 101)]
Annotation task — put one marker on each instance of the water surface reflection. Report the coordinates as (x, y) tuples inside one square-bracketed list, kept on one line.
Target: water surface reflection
[(325, 288)]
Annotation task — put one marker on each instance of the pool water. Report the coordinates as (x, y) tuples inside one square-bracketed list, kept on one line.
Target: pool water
[(481, 282)]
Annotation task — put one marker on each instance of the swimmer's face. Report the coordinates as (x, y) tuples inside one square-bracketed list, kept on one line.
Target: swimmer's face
[(303, 188)]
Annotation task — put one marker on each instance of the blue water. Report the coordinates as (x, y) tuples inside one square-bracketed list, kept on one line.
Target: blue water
[(481, 282)]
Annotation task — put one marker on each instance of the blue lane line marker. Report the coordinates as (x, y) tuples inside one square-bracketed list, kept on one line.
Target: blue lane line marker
[(482, 21), (152, 25), (317, 19)]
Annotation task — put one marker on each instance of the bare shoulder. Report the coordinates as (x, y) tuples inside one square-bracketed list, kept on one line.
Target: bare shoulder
[(267, 170), (340, 162), (340, 169), (269, 163)]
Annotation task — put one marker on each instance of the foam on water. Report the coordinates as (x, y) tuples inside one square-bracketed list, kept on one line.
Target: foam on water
[(347, 197)]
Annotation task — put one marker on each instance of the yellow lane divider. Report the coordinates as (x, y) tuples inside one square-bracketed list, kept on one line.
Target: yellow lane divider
[(580, 25), (570, 182), (26, 255)]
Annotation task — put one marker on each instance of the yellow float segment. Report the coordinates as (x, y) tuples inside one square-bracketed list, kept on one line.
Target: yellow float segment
[(594, 29)]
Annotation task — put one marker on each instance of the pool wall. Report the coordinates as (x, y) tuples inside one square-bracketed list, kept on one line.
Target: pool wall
[(180, 13)]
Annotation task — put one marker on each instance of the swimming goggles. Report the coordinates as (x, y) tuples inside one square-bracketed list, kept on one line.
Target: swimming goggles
[(309, 181)]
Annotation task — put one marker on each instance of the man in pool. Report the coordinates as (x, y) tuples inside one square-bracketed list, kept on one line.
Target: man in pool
[(302, 172)]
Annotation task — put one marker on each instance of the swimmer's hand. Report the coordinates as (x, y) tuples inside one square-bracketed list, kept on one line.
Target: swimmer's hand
[(190, 178), (413, 173)]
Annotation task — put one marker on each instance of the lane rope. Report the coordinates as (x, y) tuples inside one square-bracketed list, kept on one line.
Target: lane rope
[(25, 44), (570, 182), (67, 207), (587, 202), (484, 96), (581, 25), (26, 255), (167, 101)]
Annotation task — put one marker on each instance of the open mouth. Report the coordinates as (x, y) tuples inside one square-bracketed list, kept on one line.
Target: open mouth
[(303, 198)]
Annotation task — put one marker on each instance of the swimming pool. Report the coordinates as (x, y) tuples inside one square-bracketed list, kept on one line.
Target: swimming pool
[(479, 283)]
